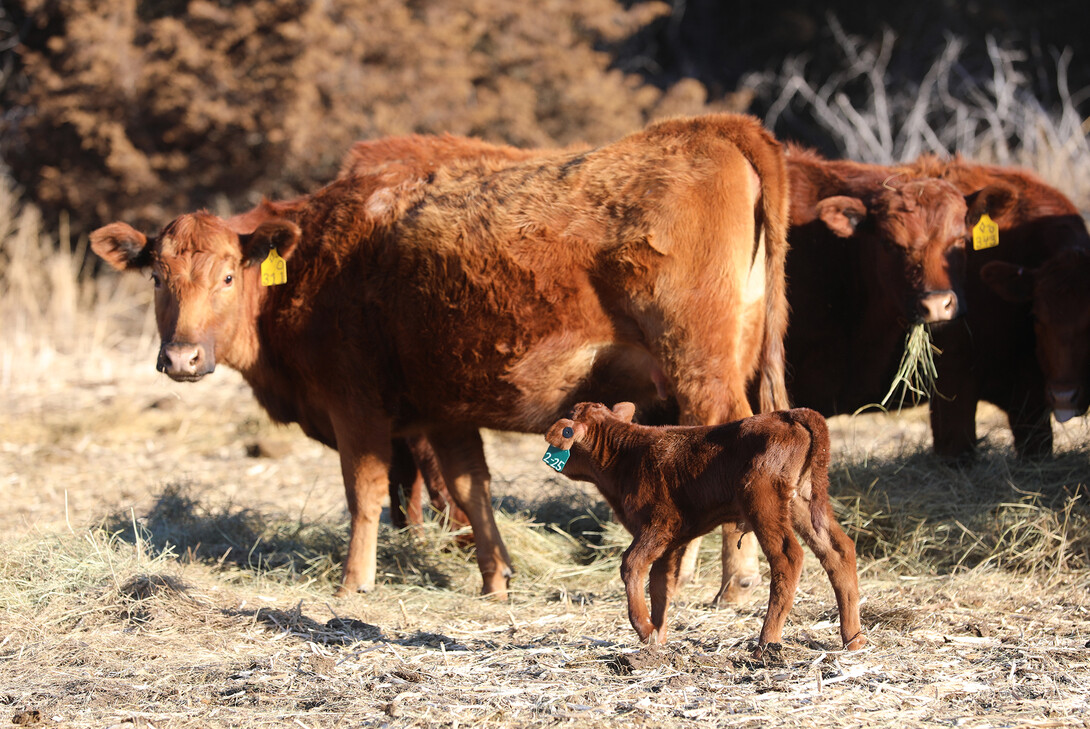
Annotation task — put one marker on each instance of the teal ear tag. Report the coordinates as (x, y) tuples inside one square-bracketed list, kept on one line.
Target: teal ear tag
[(556, 458)]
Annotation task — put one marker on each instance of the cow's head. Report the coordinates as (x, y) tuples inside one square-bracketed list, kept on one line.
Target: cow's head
[(1059, 291), (207, 281), (912, 237), (566, 432)]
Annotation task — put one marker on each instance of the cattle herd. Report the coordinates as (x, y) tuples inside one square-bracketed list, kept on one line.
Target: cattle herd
[(691, 273)]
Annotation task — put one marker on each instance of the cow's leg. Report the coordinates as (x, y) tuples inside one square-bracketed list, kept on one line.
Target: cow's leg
[(405, 479), (687, 563), (664, 577), (1031, 425), (365, 461), (741, 570), (431, 476), (460, 454), (953, 408), (836, 552)]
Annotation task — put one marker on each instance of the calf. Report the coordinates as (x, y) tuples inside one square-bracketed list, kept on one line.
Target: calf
[(768, 474)]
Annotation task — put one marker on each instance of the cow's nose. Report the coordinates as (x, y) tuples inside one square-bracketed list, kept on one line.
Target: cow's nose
[(937, 306), (181, 360), (1062, 396)]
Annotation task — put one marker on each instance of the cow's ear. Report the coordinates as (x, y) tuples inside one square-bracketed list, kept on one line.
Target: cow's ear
[(841, 214), (122, 246), (1010, 282), (995, 200), (625, 411), (282, 235)]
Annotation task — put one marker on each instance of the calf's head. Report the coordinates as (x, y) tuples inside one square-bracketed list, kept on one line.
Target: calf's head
[(912, 237), (1059, 292), (207, 281), (566, 432)]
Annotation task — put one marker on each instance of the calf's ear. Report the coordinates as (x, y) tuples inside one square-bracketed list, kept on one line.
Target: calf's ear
[(841, 214), (625, 411), (279, 234), (1010, 282), (122, 246), (564, 433), (995, 200)]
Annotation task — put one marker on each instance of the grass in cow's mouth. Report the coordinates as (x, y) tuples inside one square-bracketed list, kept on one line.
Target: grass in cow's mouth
[(916, 375)]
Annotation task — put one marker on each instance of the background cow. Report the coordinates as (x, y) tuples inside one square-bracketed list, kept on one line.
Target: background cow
[(652, 267), (1024, 342)]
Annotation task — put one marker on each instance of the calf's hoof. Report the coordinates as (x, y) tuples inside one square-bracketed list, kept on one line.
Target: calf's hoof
[(768, 650), (855, 643), (738, 590)]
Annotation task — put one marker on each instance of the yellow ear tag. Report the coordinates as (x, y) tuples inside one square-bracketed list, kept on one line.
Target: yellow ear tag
[(985, 233), (274, 269)]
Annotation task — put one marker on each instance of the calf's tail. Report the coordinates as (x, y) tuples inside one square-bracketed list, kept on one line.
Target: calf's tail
[(817, 463)]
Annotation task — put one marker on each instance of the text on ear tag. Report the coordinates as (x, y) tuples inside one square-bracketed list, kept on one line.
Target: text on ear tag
[(274, 269), (985, 233), (556, 458)]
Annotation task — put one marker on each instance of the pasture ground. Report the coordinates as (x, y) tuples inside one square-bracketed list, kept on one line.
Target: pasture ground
[(169, 559)]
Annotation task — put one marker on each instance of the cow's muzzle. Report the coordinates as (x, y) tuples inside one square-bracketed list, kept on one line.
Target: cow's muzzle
[(184, 362), (1064, 400), (937, 306)]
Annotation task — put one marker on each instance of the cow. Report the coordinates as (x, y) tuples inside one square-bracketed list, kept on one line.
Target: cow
[(873, 249), (644, 269), (1025, 342), (768, 474)]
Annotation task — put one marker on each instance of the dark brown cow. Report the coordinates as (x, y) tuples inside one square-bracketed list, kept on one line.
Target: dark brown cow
[(768, 474), (873, 250), (650, 267), (1025, 339)]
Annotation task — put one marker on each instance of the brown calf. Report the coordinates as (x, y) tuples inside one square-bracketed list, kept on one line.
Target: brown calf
[(768, 474), (651, 267)]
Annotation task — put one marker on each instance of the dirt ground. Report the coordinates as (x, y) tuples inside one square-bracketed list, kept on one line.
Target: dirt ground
[(104, 631)]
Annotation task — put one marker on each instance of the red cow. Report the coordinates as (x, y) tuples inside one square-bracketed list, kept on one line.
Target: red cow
[(768, 474), (649, 267), (1025, 340), (872, 249)]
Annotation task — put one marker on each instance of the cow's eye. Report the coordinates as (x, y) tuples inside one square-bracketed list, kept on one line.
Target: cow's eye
[(228, 280), (156, 280)]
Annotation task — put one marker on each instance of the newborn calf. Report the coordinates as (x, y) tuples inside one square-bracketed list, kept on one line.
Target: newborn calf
[(668, 485)]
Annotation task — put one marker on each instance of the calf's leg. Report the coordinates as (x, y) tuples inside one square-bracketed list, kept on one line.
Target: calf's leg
[(836, 552), (635, 563), (460, 454), (664, 579), (785, 565)]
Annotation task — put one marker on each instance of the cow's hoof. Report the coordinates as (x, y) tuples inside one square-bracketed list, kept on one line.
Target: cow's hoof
[(737, 591)]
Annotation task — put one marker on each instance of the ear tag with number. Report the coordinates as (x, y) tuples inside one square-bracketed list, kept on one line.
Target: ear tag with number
[(556, 458), (985, 233), (274, 269)]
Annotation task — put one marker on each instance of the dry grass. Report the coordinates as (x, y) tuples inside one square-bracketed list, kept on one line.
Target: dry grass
[(169, 557)]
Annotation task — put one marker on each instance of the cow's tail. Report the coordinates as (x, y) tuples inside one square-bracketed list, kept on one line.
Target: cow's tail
[(817, 463), (766, 155)]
